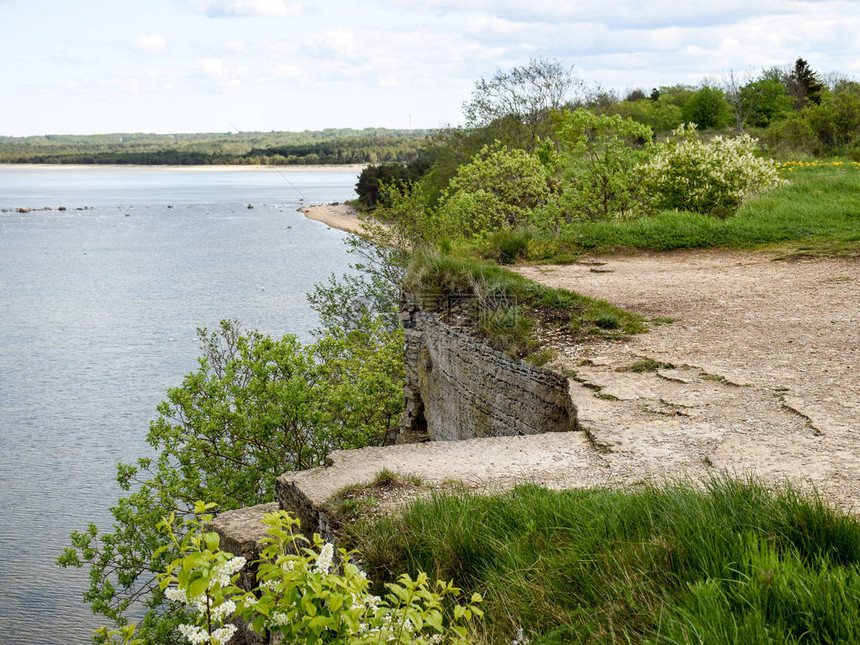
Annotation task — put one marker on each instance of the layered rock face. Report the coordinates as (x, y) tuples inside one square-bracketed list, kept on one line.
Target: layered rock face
[(458, 387)]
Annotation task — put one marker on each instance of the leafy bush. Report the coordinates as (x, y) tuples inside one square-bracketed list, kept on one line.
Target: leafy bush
[(254, 408), (708, 108), (715, 177), (836, 119), (659, 115), (764, 101), (599, 159), (497, 190), (304, 595)]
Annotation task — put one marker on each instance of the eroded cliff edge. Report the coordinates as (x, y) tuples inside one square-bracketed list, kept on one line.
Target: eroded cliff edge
[(475, 405), (458, 387)]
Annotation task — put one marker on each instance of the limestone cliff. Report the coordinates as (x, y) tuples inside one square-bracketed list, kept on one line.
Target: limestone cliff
[(458, 387)]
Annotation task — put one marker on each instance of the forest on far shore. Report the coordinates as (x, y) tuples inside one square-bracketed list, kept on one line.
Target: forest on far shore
[(330, 146)]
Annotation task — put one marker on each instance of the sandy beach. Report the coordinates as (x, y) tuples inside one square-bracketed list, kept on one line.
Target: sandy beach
[(339, 215)]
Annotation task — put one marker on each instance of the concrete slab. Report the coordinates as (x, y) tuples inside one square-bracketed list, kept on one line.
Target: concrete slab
[(560, 459)]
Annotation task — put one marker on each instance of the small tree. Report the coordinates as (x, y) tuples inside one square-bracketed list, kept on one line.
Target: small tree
[(804, 84), (707, 108), (599, 159), (527, 93), (497, 190), (254, 408), (712, 178), (765, 100)]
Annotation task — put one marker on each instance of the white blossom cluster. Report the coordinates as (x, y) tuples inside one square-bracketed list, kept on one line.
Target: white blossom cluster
[(223, 571), (689, 174), (325, 557), (195, 634)]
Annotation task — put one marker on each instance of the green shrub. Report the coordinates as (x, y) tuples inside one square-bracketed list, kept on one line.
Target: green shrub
[(607, 321), (305, 594), (497, 190), (510, 246), (255, 407), (715, 177), (542, 249), (599, 159), (708, 109)]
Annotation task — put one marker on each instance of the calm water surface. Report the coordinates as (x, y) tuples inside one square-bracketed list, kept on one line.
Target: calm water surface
[(98, 312)]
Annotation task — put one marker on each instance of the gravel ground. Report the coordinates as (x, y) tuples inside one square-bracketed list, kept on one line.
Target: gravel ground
[(765, 366)]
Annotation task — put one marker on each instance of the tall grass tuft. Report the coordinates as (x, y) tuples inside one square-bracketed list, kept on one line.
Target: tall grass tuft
[(727, 561), (505, 307)]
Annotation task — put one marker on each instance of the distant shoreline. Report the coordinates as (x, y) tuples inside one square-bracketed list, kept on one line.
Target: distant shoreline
[(353, 168)]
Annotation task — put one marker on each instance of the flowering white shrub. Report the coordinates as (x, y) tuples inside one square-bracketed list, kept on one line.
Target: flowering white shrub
[(686, 173), (305, 594)]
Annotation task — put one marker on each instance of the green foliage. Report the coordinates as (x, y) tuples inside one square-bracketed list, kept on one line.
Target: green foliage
[(646, 365), (528, 94), (373, 179), (723, 561), (599, 158), (372, 291), (819, 208), (658, 114), (708, 109), (715, 177), (764, 101), (607, 321), (498, 189), (511, 245), (303, 595), (254, 408), (832, 125), (804, 85), (836, 118), (122, 636), (331, 146)]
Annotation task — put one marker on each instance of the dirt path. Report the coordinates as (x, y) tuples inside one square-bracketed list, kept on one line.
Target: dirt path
[(766, 374)]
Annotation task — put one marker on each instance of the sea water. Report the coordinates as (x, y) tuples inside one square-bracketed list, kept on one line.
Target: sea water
[(99, 306)]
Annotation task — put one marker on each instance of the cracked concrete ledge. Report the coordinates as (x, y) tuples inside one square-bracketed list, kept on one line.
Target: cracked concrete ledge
[(558, 459)]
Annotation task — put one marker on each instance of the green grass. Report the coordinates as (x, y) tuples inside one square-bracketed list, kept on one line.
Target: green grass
[(819, 210), (724, 562), (645, 365), (505, 308)]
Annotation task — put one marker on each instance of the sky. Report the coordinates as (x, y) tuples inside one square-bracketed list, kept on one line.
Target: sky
[(98, 66)]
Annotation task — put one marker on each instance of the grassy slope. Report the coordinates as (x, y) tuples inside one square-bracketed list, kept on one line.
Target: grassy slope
[(506, 308), (733, 562)]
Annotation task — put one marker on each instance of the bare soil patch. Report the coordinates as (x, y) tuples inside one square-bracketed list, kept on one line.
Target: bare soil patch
[(759, 373)]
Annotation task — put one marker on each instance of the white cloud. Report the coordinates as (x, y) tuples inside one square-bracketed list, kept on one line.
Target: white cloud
[(340, 42), (212, 67), (255, 8), (151, 42), (640, 14)]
